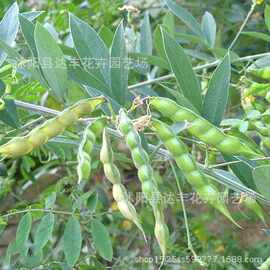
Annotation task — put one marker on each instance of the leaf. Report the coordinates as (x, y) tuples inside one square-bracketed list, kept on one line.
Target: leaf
[(217, 95), (31, 15), (101, 239), (119, 68), (28, 29), (181, 67), (43, 232), (106, 35), (81, 76), (158, 43), (89, 47), (185, 17), (23, 231), (9, 115), (168, 23), (209, 28), (9, 26), (257, 35), (72, 241), (261, 179), (267, 16), (52, 61), (146, 45), (2, 88)]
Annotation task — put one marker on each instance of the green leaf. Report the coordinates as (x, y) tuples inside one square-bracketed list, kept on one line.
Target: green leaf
[(168, 23), (158, 43), (106, 35), (2, 88), (267, 16), (81, 76), (90, 46), (23, 231), (28, 29), (216, 98), (72, 241), (31, 15), (9, 115), (9, 26), (146, 45), (257, 35), (52, 61), (119, 68), (186, 17), (43, 232), (209, 28), (182, 68), (101, 239), (261, 179)]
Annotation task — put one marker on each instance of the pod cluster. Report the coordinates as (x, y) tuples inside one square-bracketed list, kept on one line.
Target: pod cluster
[(119, 192), (201, 128), (20, 146), (91, 132), (188, 166), (146, 175)]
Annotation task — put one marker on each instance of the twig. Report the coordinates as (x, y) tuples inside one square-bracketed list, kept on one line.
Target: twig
[(243, 25)]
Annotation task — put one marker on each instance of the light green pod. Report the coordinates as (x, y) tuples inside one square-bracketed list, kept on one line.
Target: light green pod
[(23, 145), (119, 192), (251, 204), (200, 127), (195, 177), (265, 265), (112, 173), (142, 163)]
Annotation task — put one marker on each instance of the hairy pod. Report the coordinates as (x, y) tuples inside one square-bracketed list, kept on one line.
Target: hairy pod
[(118, 191), (86, 146), (145, 173), (201, 128), (265, 265), (23, 145), (188, 166)]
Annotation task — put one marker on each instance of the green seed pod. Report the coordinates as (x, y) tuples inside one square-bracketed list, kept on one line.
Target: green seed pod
[(119, 192), (145, 174), (201, 128), (23, 145), (265, 265), (86, 146), (161, 233), (186, 163)]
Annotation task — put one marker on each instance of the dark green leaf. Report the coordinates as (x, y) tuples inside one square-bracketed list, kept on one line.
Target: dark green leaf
[(9, 114), (181, 67), (185, 17), (52, 61), (209, 28), (216, 98), (119, 66), (101, 239), (107, 35), (44, 232), (89, 47), (257, 35), (2, 88), (8, 28), (146, 45), (261, 178), (72, 241), (23, 231)]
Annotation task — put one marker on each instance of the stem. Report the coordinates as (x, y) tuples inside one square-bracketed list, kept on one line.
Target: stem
[(243, 25), (36, 210), (190, 246)]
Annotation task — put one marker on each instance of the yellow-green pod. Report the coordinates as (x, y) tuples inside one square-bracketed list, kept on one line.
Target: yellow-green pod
[(265, 265), (23, 145), (251, 204), (200, 127)]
